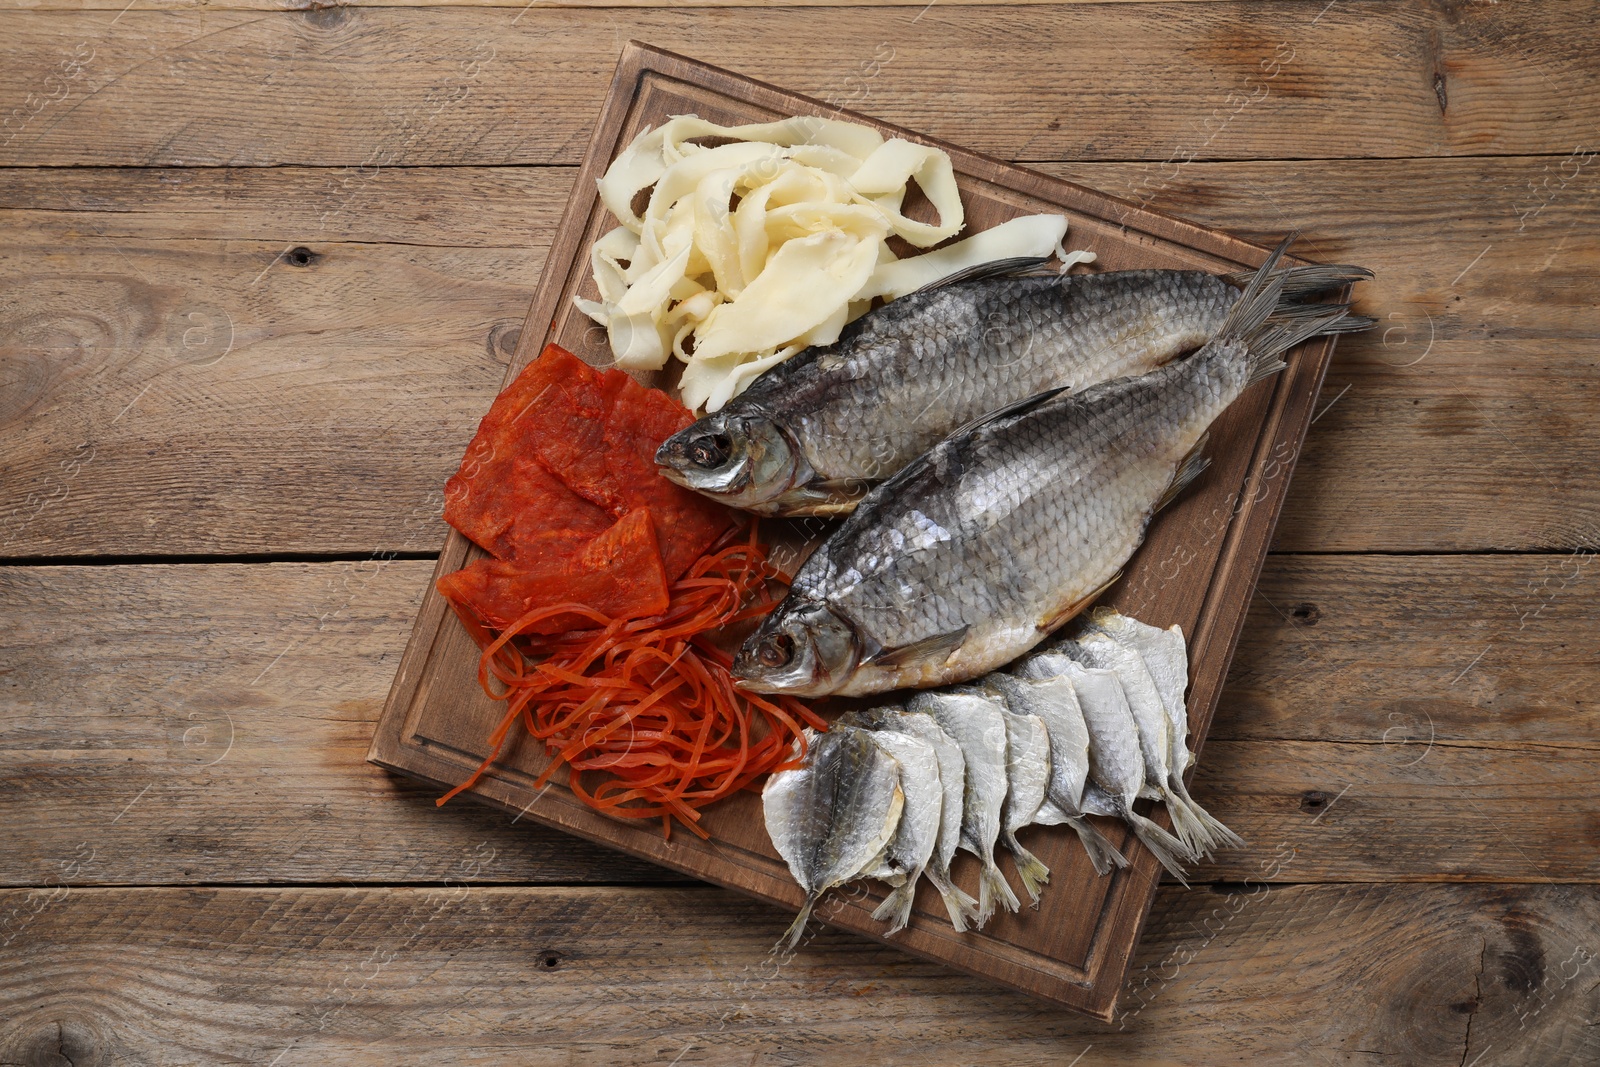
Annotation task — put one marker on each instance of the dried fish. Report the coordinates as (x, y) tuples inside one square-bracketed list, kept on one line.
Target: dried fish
[(1027, 778), (1116, 762), (1055, 702), (973, 720), (973, 553), (810, 437), (952, 768), (832, 816), (1164, 658)]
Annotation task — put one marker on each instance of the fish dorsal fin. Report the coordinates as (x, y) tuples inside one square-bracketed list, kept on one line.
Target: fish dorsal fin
[(1015, 267), (1076, 606), (1016, 407), (927, 648), (1189, 468)]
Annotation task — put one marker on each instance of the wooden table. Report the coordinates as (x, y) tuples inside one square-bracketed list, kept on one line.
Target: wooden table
[(260, 273)]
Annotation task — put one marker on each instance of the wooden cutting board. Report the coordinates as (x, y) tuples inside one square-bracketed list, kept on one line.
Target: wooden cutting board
[(1197, 568)]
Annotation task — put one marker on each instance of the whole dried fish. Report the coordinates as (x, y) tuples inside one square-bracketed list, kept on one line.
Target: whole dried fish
[(832, 816), (909, 851), (977, 550), (812, 436), (1027, 778), (1116, 763), (1155, 661), (1055, 702), (973, 721), (952, 784), (1099, 649)]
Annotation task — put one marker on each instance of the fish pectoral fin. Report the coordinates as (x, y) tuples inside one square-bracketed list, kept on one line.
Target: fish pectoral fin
[(1015, 267), (1076, 606), (927, 648), (838, 496), (1189, 468)]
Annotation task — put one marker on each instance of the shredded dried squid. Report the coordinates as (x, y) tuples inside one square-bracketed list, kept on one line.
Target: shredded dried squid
[(770, 239)]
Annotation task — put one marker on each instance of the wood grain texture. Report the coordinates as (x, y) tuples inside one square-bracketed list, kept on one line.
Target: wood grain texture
[(1478, 384), (454, 86), (517, 5), (125, 686), (207, 723), (1465, 411), (125, 683), (1421, 976), (1417, 649)]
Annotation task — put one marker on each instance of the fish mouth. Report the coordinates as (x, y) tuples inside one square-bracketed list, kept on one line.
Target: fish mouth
[(709, 456)]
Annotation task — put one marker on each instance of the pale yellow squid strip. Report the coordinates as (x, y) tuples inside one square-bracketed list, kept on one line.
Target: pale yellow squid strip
[(749, 251)]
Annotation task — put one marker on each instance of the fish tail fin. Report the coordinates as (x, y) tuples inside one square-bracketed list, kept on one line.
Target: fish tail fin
[(1171, 852), (1313, 278), (1217, 835), (992, 887), (1102, 853), (1248, 320), (1032, 872), (1280, 333), (1186, 826), (896, 907), (1327, 322), (1268, 326), (961, 907), (791, 936)]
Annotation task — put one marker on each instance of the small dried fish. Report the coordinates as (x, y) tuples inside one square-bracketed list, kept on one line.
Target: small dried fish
[(1116, 763), (909, 851), (952, 783), (1164, 659), (1055, 702), (832, 816), (1027, 778), (973, 721)]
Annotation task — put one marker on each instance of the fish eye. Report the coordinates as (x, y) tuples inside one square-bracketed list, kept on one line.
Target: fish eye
[(710, 451), (776, 651)]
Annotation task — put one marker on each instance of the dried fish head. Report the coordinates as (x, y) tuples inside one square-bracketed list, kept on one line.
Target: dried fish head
[(802, 648), (742, 458)]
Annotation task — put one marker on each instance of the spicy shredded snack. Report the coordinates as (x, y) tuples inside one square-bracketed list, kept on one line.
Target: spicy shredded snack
[(606, 585)]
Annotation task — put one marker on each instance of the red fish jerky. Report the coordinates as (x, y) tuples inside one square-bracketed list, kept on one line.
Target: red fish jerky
[(617, 574), (563, 447), (517, 510), (503, 497), (599, 433)]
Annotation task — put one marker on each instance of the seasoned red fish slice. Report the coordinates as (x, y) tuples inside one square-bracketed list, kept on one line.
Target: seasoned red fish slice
[(618, 574), (598, 431), (517, 510)]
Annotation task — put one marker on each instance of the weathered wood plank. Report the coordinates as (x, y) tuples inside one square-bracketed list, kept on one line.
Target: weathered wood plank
[(1419, 649), (199, 723), (1465, 411), (517, 5), (1415, 976), (208, 723), (186, 393), (459, 86), (1476, 392)]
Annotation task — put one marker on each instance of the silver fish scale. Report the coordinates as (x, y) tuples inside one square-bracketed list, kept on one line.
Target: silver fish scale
[(1001, 528), (942, 358)]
